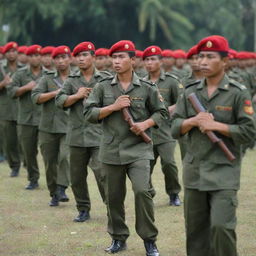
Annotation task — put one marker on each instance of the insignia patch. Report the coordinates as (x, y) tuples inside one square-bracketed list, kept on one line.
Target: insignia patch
[(135, 98), (181, 86), (209, 44), (226, 86), (248, 102), (248, 110), (153, 50), (126, 46), (223, 108)]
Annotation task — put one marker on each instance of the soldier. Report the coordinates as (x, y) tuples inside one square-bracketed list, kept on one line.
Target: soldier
[(138, 65), (8, 109), (180, 69), (83, 137), (168, 60), (211, 180), (101, 56), (22, 56), (23, 81), (163, 143), (122, 150), (53, 126), (46, 58)]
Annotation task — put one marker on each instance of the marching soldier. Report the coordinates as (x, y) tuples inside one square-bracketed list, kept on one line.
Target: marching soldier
[(23, 81), (83, 137), (163, 143), (53, 126)]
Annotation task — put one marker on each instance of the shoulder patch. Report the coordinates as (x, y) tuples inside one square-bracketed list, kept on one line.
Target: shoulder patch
[(237, 84), (193, 83)]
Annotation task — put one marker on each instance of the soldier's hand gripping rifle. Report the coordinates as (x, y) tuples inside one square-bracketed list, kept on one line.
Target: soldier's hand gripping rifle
[(211, 135), (128, 118)]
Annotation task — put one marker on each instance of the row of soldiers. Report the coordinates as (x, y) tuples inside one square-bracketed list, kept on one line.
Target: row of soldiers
[(44, 99)]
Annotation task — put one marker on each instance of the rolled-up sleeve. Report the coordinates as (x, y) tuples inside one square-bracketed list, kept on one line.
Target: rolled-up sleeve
[(63, 94)]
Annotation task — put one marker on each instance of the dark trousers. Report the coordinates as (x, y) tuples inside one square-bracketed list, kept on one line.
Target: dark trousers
[(168, 165), (80, 159), (210, 220), (139, 173), (55, 154), (28, 136)]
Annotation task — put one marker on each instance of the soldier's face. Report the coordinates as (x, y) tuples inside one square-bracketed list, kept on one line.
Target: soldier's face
[(152, 63), (100, 62), (85, 60), (122, 62), (194, 62), (211, 63), (22, 58), (46, 60), (11, 55), (62, 62), (168, 62), (35, 60)]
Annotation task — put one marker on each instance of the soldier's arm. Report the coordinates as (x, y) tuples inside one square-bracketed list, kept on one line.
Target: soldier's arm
[(40, 93)]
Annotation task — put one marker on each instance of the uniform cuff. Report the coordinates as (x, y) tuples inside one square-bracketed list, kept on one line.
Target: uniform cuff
[(61, 100), (235, 133), (176, 127), (94, 116), (35, 98)]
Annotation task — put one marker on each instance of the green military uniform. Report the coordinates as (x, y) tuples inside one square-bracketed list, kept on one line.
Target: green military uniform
[(8, 117), (52, 134), (211, 181), (122, 152), (186, 80), (83, 139), (28, 120), (141, 72), (180, 73), (163, 143)]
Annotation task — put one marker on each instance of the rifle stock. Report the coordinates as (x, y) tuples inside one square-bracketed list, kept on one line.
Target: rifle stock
[(211, 135), (128, 118)]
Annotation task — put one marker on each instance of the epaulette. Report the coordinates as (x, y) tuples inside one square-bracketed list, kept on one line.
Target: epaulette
[(172, 75), (74, 73), (143, 79), (237, 84), (50, 72), (106, 78), (193, 83)]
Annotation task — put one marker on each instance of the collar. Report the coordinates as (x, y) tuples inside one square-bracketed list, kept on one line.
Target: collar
[(135, 80), (224, 84)]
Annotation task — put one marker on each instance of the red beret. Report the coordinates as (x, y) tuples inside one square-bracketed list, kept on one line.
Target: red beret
[(139, 53), (192, 51), (152, 50), (1, 49), (242, 55), (9, 46), (22, 49), (47, 50), (33, 49), (167, 53), (63, 49), (101, 52), (122, 46), (179, 54), (232, 54), (213, 43), (83, 47)]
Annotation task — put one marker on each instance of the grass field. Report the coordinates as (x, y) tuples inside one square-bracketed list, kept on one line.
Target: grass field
[(28, 226)]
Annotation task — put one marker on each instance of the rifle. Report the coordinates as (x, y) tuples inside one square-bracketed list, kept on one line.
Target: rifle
[(128, 118), (198, 107)]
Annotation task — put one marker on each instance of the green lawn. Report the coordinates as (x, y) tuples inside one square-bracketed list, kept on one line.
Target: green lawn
[(28, 226)]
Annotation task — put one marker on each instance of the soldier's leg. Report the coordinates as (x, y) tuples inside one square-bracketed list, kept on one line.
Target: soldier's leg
[(169, 167), (49, 145), (29, 142), (197, 222), (139, 174), (63, 171), (79, 159), (115, 196), (11, 144), (223, 222), (98, 171), (152, 165), (2, 157)]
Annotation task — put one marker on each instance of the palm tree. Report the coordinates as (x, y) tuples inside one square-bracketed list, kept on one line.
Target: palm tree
[(160, 13)]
